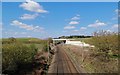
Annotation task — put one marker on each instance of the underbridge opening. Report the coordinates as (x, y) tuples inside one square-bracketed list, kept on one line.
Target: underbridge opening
[(59, 41)]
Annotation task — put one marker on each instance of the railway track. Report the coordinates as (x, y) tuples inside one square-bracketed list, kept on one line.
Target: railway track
[(62, 63)]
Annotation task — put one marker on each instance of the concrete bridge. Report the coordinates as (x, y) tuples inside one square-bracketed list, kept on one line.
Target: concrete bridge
[(73, 42), (64, 40), (58, 40)]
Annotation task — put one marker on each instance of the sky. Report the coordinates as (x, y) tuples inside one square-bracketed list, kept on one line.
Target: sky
[(63, 0), (54, 19)]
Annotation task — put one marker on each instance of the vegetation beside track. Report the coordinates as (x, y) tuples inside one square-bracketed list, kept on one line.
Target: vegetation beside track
[(24, 55), (103, 58)]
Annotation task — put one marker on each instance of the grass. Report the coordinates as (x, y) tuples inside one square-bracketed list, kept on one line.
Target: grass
[(38, 46), (28, 39)]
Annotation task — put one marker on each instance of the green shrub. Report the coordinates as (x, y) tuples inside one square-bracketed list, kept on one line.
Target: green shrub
[(45, 47), (106, 43), (16, 53)]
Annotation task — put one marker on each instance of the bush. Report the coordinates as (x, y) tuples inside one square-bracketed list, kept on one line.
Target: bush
[(106, 43), (15, 54), (45, 47)]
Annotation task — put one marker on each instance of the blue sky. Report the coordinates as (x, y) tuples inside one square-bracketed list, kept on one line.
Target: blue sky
[(54, 19), (63, 0)]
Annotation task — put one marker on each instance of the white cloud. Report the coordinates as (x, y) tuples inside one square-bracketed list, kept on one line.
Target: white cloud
[(114, 18), (28, 16), (74, 22), (14, 33), (109, 30), (69, 27), (75, 30), (25, 26), (1, 24), (97, 24), (64, 31), (117, 11), (117, 14), (33, 6), (23, 33), (77, 17), (29, 36), (22, 25), (83, 28), (115, 26)]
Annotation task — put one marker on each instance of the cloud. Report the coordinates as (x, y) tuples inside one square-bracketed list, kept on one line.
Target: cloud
[(117, 11), (28, 16), (69, 27), (74, 22), (117, 14), (115, 26), (14, 33), (25, 26), (33, 6), (29, 36), (75, 30), (109, 30), (1, 24), (77, 17), (97, 24), (83, 28), (23, 33), (114, 18)]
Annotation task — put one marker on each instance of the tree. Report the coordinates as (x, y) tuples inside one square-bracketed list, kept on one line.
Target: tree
[(12, 39)]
